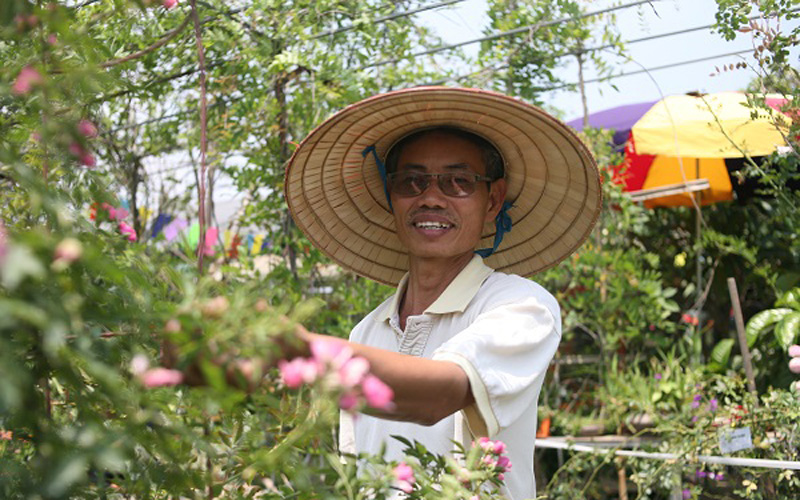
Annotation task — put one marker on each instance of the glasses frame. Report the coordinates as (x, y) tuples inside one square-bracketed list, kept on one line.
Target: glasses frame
[(438, 176)]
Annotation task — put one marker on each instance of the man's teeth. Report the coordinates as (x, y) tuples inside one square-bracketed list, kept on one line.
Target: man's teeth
[(431, 225)]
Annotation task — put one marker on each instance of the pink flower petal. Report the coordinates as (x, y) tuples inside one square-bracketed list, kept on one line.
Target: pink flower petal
[(168, 4), (87, 128), (348, 401), (26, 79), (290, 373), (504, 463), (403, 472), (160, 377), (330, 352), (297, 371), (794, 351), (353, 372), (378, 394), (124, 228), (794, 365)]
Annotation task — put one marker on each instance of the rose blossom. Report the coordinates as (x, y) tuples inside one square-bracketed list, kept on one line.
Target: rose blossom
[(794, 351), (87, 128), (297, 371), (160, 377), (353, 372), (27, 78), (124, 228), (404, 477), (378, 394), (348, 401), (330, 352), (68, 251), (794, 365)]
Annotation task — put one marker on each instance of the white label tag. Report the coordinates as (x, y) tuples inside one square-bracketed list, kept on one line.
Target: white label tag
[(731, 440)]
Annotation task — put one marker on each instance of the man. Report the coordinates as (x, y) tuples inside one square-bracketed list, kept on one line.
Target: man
[(464, 348)]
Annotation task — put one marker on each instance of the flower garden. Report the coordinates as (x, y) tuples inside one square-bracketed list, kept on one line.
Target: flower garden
[(143, 340)]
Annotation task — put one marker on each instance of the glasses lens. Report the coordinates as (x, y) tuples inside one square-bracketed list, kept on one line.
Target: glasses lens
[(457, 184), (408, 183)]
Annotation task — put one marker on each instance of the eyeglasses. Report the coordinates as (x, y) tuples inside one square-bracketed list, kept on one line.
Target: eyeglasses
[(455, 184)]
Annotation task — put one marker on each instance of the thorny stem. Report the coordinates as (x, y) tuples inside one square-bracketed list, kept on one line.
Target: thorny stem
[(201, 185)]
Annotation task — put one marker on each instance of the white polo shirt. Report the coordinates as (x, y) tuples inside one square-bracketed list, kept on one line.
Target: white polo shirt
[(502, 330)]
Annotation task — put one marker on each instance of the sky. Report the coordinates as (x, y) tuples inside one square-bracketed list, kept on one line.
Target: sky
[(466, 20)]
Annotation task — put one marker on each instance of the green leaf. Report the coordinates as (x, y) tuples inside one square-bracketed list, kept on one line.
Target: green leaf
[(788, 329), (19, 264), (762, 321), (790, 299), (722, 351)]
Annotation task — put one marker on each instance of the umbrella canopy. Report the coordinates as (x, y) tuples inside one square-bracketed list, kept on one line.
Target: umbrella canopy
[(619, 119), (683, 138)]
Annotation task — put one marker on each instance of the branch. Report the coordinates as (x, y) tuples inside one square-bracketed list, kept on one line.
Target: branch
[(201, 187), (160, 43)]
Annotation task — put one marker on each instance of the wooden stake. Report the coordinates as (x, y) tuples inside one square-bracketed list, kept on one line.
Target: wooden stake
[(737, 314)]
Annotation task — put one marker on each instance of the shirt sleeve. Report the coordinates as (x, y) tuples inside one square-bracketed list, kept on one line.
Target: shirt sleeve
[(505, 353)]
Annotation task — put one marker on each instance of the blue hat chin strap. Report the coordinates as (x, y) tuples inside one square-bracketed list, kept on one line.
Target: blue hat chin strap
[(502, 224), (381, 171)]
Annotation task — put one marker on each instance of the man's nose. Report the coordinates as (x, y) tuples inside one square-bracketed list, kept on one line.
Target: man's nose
[(432, 195)]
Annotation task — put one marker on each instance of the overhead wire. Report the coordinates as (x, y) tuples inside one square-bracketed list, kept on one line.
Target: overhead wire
[(503, 34), (388, 17)]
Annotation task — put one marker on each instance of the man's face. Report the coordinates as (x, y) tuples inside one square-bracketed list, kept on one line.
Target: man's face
[(432, 224)]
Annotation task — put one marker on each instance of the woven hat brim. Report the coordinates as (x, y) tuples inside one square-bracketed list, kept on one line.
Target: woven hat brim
[(336, 196)]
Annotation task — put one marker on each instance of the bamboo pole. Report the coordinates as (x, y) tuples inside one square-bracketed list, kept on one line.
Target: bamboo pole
[(746, 358)]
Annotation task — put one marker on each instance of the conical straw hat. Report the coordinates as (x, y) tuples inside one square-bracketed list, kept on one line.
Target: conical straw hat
[(336, 196)]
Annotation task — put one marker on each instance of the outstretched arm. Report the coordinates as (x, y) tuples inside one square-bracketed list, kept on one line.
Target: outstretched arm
[(425, 390)]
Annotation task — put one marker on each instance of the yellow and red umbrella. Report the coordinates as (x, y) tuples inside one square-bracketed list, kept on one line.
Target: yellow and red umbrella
[(683, 138)]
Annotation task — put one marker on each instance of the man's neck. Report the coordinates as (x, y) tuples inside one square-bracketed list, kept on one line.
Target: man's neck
[(427, 279)]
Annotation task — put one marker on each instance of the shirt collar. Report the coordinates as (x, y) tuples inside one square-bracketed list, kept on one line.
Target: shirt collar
[(455, 298)]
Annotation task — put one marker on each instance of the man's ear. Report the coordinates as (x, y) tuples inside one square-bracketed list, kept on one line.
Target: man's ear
[(497, 195)]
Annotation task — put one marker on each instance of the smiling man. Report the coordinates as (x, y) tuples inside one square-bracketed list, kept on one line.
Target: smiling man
[(465, 341)]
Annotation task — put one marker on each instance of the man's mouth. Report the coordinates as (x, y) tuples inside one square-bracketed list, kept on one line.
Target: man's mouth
[(432, 225)]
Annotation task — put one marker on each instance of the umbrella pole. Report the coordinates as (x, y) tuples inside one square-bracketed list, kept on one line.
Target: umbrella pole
[(698, 227)]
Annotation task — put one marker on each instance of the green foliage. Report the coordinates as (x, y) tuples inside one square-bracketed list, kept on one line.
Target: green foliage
[(524, 65), (784, 321)]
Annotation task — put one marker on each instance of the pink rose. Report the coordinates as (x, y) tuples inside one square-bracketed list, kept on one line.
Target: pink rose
[(378, 394), (353, 372), (330, 352), (297, 371), (83, 156), (168, 4), (348, 401), (68, 251), (504, 463), (794, 365), (27, 78), (124, 228), (87, 128), (794, 351), (160, 377), (499, 447), (404, 477)]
